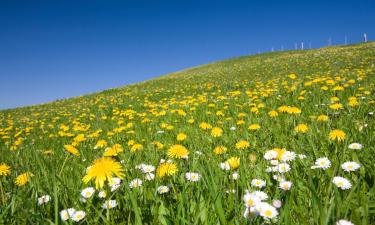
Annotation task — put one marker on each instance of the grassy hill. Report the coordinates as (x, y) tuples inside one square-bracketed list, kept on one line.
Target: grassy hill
[(256, 139)]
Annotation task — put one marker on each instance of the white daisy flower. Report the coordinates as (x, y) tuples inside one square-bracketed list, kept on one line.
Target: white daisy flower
[(150, 176), (251, 200), (288, 156), (285, 185), (163, 189), (114, 181), (78, 216), (344, 222), (277, 203), (262, 195), (193, 177), (301, 156), (355, 146), (235, 176), (322, 163), (274, 162), (135, 183), (270, 154), (258, 183), (147, 169), (102, 194), (350, 166), (115, 187), (225, 166), (44, 199), (88, 192), (232, 128), (342, 183), (250, 213), (283, 167), (109, 204), (266, 210), (64, 215)]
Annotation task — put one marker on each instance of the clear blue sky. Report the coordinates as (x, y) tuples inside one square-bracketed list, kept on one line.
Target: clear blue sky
[(56, 49)]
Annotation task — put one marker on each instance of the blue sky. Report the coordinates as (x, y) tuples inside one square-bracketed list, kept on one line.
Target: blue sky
[(56, 49)]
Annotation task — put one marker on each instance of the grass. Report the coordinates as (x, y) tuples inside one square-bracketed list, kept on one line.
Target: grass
[(233, 93)]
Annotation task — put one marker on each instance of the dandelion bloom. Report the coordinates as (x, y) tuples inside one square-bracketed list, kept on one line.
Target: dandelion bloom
[(242, 144), (234, 162), (4, 169), (322, 118), (72, 149), (100, 144), (273, 113), (166, 169), (254, 127), (113, 151), (103, 169), (181, 137), (178, 151), (136, 147), (216, 132), (220, 150), (23, 179), (301, 128), (337, 134)]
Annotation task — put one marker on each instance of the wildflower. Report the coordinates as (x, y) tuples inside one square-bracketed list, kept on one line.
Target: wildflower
[(301, 128), (166, 169), (44, 199), (216, 132), (336, 106), (242, 144), (266, 210), (163, 189), (136, 147), (102, 194), (344, 222), (342, 183), (355, 146), (322, 118), (273, 113), (250, 212), (322, 163), (4, 169), (283, 167), (225, 166), (100, 144), (251, 200), (262, 195), (114, 150), (72, 149), (193, 177), (181, 137), (336, 134), (219, 150), (276, 203), (178, 151), (254, 127), (109, 204), (270, 154), (64, 215), (285, 185), (103, 170), (235, 176), (205, 126), (350, 166), (288, 156), (135, 183), (78, 216), (88, 192), (149, 176), (258, 183), (234, 162), (23, 178), (147, 168)]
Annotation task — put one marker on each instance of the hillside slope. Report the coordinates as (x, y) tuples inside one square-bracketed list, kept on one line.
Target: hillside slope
[(278, 124)]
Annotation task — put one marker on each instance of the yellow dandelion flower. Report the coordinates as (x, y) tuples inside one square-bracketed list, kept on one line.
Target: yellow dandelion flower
[(158, 144), (181, 137), (103, 169), (254, 127), (178, 151), (136, 147), (337, 134), (301, 128), (234, 162), (72, 149), (336, 106), (219, 150), (100, 144), (242, 144), (114, 150), (216, 132), (322, 118), (4, 169), (205, 126), (166, 169), (273, 113), (23, 179)]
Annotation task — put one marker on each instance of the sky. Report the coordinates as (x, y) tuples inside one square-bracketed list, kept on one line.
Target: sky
[(55, 49)]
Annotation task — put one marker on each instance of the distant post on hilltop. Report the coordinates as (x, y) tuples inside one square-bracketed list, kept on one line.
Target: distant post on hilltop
[(365, 37), (302, 45)]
